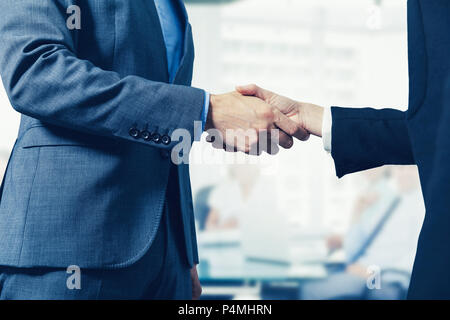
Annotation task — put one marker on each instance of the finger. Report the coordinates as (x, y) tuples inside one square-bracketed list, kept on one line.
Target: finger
[(273, 141), (269, 139), (254, 90), (242, 140), (215, 138), (254, 150), (262, 144), (265, 144), (229, 148), (217, 144), (289, 126), (272, 146), (286, 141)]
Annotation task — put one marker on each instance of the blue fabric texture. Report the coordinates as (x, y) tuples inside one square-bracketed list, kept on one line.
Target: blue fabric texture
[(83, 186), (161, 273)]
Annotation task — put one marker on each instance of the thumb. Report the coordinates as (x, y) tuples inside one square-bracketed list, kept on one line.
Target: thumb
[(254, 90)]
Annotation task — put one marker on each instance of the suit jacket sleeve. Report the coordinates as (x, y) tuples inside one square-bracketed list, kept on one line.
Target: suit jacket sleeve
[(366, 138), (44, 79)]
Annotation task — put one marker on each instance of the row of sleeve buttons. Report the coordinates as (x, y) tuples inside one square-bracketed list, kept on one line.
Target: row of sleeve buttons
[(151, 137)]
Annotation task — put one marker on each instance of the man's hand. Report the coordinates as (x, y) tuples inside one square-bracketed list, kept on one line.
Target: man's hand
[(249, 124), (196, 285), (308, 116)]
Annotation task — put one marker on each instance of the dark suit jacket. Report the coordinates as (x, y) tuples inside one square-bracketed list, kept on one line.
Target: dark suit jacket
[(81, 187), (367, 138)]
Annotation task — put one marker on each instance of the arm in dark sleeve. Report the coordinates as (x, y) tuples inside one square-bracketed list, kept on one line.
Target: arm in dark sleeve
[(44, 79), (366, 138)]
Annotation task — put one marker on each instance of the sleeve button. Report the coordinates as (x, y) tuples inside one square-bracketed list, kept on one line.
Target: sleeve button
[(146, 135), (134, 133), (166, 140), (156, 138)]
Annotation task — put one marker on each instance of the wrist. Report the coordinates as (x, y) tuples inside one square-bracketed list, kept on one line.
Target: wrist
[(313, 118)]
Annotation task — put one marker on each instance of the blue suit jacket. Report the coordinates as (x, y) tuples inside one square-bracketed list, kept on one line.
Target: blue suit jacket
[(367, 138), (80, 188)]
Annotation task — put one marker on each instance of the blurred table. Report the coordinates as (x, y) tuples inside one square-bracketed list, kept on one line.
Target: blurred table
[(252, 270), (226, 273), (246, 280)]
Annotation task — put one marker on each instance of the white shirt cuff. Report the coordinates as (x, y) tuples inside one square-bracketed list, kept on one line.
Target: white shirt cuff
[(327, 123)]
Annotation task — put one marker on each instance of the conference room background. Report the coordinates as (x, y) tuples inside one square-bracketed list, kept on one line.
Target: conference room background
[(268, 226)]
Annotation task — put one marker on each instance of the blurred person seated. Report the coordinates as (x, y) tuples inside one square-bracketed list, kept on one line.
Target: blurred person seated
[(201, 206), (383, 236), (227, 200)]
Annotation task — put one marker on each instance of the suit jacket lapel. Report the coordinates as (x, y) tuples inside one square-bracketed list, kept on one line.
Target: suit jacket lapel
[(183, 10), (188, 47), (150, 5)]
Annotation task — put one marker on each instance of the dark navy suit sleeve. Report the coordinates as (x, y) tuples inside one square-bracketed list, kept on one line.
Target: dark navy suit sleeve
[(433, 254), (44, 79), (365, 138)]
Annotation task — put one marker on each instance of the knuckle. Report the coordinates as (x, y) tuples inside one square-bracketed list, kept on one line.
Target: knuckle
[(292, 130), (268, 115)]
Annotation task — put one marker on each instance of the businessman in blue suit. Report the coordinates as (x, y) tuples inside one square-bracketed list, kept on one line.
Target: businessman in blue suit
[(360, 139), (92, 207)]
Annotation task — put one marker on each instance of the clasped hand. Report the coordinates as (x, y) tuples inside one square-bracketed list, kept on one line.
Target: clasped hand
[(254, 120)]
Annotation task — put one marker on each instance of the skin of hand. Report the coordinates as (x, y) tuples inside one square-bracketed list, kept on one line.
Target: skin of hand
[(196, 285), (358, 270), (240, 120), (309, 116)]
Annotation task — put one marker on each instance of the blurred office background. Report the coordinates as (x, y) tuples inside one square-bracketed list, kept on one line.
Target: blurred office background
[(285, 227)]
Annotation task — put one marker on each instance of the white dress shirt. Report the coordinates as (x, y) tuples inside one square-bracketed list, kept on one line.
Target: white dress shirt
[(327, 123)]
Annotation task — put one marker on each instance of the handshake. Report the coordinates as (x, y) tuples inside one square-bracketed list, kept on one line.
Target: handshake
[(254, 120)]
